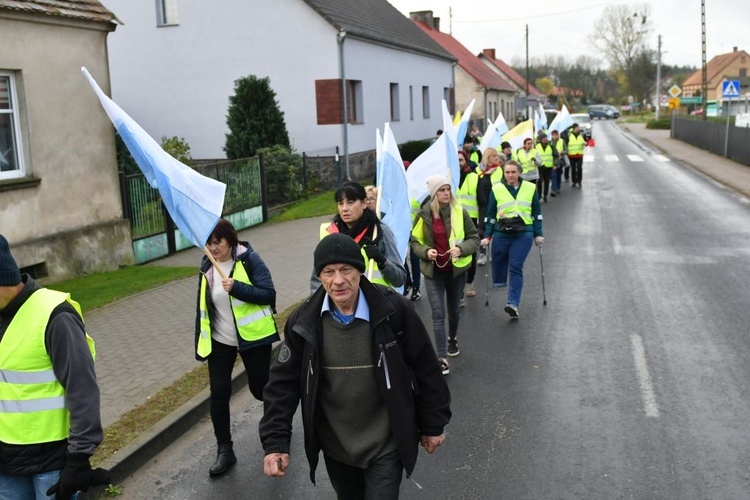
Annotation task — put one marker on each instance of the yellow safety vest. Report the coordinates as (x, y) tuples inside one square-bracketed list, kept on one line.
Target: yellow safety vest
[(528, 166), (32, 400), (548, 159), (373, 270), (253, 321), (515, 207), (456, 237), (467, 194), (575, 145)]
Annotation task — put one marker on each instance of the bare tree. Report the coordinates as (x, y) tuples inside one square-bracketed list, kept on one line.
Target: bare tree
[(621, 33)]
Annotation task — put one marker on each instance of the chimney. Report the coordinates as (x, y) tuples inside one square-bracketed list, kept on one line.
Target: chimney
[(734, 49), (425, 17), (489, 53)]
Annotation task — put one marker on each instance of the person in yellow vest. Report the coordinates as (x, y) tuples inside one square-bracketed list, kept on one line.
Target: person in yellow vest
[(467, 198), (546, 154), (488, 172), (514, 221), (558, 148), (234, 315), (376, 239), (576, 143), (444, 238), (529, 161), (50, 421)]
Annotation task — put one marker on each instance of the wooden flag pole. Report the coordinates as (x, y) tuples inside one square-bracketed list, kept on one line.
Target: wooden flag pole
[(213, 261)]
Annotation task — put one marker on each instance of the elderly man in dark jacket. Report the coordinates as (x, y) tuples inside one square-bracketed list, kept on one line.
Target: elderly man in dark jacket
[(360, 360)]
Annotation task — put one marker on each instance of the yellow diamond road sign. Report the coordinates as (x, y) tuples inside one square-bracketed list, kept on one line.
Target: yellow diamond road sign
[(674, 91)]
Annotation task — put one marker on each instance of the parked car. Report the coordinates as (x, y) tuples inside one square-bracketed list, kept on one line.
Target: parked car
[(584, 121), (603, 111)]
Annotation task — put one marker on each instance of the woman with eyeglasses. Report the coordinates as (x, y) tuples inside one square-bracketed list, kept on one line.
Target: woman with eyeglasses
[(514, 221), (234, 315), (444, 238)]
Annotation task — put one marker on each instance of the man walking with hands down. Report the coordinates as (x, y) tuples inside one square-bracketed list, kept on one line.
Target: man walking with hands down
[(50, 423), (576, 143), (354, 354)]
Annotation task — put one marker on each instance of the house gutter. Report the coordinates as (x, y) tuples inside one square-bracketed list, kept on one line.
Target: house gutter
[(345, 121)]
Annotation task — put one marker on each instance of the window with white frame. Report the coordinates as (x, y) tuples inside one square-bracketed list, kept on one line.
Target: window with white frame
[(11, 157), (395, 107), (166, 13), (425, 102)]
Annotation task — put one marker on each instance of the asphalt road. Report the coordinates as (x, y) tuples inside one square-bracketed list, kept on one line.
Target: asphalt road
[(632, 382)]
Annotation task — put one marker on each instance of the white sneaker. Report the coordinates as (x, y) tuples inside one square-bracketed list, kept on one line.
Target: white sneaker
[(469, 290), (481, 259)]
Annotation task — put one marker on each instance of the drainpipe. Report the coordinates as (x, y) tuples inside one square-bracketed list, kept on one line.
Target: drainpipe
[(486, 111), (344, 88)]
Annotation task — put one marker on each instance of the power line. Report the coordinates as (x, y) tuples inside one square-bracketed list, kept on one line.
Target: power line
[(537, 16)]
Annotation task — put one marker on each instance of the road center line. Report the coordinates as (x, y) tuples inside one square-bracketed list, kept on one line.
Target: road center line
[(644, 378)]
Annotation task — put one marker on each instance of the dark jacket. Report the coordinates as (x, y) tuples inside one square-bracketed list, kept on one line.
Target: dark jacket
[(410, 381), (468, 246), (73, 367), (261, 292)]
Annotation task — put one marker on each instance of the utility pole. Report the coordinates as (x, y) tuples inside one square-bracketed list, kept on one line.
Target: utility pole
[(658, 78), (527, 69), (704, 80), (450, 21)]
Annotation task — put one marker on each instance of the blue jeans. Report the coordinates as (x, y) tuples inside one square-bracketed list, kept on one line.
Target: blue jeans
[(380, 480), (33, 486), (439, 286), (556, 178), (509, 254)]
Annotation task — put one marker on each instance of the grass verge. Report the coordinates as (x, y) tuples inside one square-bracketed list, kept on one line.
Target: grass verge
[(167, 400), (319, 204), (97, 290)]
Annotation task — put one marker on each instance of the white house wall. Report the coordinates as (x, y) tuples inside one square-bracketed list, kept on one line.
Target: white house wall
[(177, 80), (378, 67)]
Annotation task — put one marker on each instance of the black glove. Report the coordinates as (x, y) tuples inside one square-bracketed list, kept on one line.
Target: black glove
[(77, 475), (374, 253)]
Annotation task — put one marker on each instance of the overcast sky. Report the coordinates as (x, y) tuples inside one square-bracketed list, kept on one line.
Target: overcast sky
[(561, 27)]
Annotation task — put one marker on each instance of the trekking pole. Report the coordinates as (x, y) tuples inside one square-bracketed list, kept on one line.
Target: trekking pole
[(487, 267), (541, 262)]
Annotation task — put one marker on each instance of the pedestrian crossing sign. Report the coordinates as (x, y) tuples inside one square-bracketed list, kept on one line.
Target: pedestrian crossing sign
[(730, 88)]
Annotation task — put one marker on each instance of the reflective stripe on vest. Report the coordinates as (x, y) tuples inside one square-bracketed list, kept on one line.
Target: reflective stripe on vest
[(253, 321), (515, 207), (457, 234), (467, 194), (32, 401), (528, 166), (371, 268), (548, 159), (575, 145)]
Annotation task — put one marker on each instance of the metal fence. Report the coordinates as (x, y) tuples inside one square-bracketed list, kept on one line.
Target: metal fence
[(153, 232), (713, 136)]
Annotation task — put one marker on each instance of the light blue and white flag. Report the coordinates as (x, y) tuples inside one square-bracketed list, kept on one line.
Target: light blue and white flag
[(193, 201), (441, 158), (540, 119), (562, 121), (393, 194), (463, 125), (493, 137)]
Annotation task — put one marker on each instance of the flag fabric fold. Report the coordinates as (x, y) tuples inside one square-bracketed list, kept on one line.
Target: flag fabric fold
[(493, 137), (517, 134), (194, 202), (463, 124), (540, 123), (562, 121), (393, 192), (441, 158)]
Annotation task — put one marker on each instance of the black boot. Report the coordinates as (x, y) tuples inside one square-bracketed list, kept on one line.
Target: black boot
[(225, 459)]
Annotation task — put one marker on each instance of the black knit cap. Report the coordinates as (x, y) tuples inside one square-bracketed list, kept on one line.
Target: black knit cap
[(9, 273), (338, 248)]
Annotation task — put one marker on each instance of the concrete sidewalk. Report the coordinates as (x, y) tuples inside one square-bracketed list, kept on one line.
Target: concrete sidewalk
[(145, 342)]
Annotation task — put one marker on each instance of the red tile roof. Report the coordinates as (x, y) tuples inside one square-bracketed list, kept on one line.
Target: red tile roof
[(512, 74), (85, 10), (715, 67), (466, 60)]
